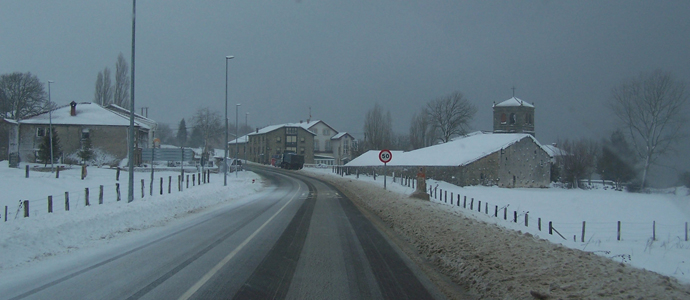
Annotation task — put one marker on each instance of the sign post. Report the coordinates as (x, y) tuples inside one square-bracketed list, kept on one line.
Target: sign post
[(385, 157)]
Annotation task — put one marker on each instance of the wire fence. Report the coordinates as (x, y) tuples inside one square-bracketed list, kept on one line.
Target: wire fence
[(79, 200)]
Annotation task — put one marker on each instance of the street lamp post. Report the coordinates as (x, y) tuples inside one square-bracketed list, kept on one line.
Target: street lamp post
[(237, 146), (246, 125), (50, 127), (225, 158)]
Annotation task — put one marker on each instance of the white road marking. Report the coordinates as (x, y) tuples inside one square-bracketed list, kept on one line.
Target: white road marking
[(232, 254)]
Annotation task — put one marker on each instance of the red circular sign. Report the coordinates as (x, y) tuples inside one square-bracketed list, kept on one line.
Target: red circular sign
[(385, 156)]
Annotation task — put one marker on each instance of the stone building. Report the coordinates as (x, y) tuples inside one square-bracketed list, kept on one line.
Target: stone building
[(75, 123), (504, 160), (268, 143), (514, 116)]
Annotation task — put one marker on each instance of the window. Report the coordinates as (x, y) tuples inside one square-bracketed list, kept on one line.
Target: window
[(85, 134), (503, 118), (513, 119), (40, 131), (328, 145), (301, 150), (301, 139), (278, 151), (316, 145), (326, 131), (291, 149), (277, 139), (291, 130)]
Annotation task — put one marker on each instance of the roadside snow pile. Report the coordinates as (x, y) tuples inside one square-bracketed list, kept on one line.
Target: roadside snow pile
[(23, 240), (500, 263)]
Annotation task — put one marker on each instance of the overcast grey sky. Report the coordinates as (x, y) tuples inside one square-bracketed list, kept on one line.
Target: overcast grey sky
[(341, 57)]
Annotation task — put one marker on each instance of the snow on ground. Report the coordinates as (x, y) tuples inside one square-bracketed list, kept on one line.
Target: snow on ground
[(41, 235), (486, 259), (601, 209)]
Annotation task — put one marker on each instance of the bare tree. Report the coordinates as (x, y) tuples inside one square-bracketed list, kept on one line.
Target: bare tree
[(21, 95), (652, 108), (577, 160), (450, 115), (210, 128), (121, 93), (104, 91), (378, 129), (422, 134)]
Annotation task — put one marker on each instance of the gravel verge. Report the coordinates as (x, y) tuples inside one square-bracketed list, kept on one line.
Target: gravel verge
[(491, 262)]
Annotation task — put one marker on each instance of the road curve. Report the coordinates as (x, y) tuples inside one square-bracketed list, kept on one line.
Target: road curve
[(301, 240)]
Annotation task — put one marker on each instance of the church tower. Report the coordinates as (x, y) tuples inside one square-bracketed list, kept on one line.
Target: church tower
[(514, 116)]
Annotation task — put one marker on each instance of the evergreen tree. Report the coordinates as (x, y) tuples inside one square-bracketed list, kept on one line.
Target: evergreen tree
[(44, 148), (86, 153), (182, 133), (617, 159), (197, 138)]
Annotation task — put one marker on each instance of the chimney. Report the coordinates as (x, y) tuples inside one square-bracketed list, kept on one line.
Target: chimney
[(73, 108), (257, 129), (300, 121)]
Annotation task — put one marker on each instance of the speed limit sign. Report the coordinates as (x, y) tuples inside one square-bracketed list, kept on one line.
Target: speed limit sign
[(385, 156)]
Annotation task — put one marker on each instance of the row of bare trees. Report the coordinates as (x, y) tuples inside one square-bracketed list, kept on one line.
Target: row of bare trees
[(652, 109), (106, 93), (439, 121)]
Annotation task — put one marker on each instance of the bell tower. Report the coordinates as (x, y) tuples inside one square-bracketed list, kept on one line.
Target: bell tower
[(514, 116)]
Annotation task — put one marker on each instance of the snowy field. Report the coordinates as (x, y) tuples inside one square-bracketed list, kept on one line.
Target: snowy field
[(601, 209), (43, 234)]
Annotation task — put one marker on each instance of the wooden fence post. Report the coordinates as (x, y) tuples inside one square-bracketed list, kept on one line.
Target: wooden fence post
[(199, 178), (479, 206), (486, 208), (193, 179), (496, 212), (100, 195), (169, 183), (179, 183), (57, 172), (445, 195), (27, 171), (117, 191), (539, 224), (686, 231), (505, 213), (50, 204), (5, 213), (26, 208), (117, 174), (464, 202), (161, 189), (582, 239), (66, 201), (653, 230), (458, 202), (618, 236), (472, 204), (550, 228), (514, 216), (451, 198), (86, 197), (142, 188), (527, 220), (187, 181)]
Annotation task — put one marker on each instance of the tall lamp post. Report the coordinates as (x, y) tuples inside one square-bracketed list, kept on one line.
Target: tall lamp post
[(225, 159), (246, 125), (237, 146), (50, 127)]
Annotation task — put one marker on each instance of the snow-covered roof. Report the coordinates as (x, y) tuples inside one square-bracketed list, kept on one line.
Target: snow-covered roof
[(146, 122), (241, 140), (270, 128), (458, 152), (340, 135), (87, 114), (514, 102), (553, 151)]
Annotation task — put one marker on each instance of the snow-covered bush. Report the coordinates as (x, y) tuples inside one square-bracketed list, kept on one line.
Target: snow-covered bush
[(98, 158)]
